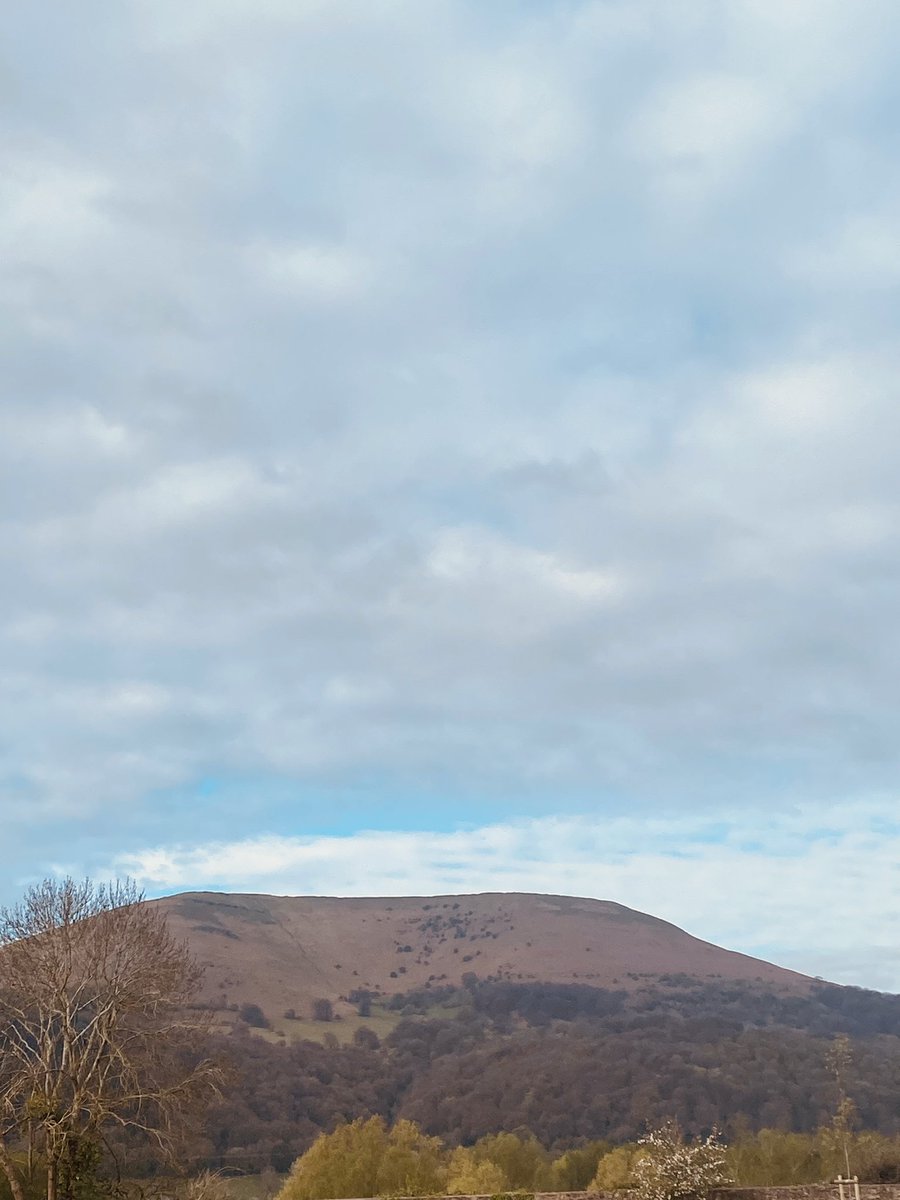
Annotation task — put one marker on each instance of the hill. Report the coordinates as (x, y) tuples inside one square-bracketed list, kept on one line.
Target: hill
[(285, 952), (577, 1019)]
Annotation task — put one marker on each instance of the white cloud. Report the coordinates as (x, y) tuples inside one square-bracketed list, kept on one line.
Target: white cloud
[(799, 400), (471, 556), (803, 888), (708, 118), (76, 432), (177, 497), (49, 206), (862, 252), (170, 22), (314, 273)]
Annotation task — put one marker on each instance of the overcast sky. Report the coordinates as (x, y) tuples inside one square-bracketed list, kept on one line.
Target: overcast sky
[(454, 446)]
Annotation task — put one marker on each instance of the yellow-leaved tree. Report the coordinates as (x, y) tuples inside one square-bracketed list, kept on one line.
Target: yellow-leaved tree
[(365, 1158), (413, 1164), (520, 1156), (615, 1169), (466, 1176), (574, 1169)]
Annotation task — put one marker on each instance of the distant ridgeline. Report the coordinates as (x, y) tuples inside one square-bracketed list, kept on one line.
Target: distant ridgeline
[(568, 1062)]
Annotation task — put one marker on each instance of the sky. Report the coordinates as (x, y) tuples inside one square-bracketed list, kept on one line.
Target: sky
[(451, 446)]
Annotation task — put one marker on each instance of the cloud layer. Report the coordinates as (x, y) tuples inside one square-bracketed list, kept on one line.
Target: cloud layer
[(765, 887), (483, 407)]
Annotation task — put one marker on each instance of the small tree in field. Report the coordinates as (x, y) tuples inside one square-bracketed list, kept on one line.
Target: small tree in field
[(94, 1030), (668, 1167), (323, 1010)]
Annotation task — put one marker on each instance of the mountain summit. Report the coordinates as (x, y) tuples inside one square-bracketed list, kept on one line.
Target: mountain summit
[(283, 952)]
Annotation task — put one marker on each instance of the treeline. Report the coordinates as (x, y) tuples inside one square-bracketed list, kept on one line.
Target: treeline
[(572, 1064), (824, 1011), (369, 1158)]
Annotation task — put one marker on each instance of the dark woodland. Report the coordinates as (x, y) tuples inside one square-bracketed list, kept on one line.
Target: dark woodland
[(569, 1063)]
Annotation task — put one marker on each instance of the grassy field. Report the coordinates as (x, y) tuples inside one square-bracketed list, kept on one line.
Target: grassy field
[(253, 1187), (343, 1027)]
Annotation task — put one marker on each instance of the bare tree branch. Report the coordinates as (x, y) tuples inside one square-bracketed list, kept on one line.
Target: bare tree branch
[(94, 1024)]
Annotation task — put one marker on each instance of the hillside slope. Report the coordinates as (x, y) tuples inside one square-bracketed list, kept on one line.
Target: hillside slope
[(284, 952), (576, 1019)]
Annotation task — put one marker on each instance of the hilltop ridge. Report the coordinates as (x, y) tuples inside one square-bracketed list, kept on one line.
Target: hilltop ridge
[(286, 951)]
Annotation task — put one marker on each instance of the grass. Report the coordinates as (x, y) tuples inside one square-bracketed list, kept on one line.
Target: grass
[(347, 1021), (253, 1187)]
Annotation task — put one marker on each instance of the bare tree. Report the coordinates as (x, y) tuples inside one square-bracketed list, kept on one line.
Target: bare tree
[(94, 1025), (838, 1060)]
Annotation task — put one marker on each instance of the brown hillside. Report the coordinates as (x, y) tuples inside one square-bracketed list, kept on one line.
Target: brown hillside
[(283, 952)]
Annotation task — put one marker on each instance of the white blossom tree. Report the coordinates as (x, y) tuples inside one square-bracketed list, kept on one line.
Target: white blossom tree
[(668, 1167)]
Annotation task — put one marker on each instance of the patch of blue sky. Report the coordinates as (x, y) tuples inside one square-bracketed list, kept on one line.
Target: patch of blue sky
[(242, 803), (715, 834), (824, 833), (463, 499), (883, 826), (685, 853)]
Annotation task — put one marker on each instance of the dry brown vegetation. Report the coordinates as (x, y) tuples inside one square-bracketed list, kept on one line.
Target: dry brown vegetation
[(284, 953)]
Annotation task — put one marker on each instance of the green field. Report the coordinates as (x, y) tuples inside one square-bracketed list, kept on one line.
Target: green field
[(343, 1027), (254, 1187)]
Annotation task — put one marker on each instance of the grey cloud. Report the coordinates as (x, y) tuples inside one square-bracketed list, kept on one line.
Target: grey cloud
[(402, 392)]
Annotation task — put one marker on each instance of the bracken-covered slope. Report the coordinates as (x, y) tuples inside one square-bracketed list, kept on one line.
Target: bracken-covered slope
[(283, 952)]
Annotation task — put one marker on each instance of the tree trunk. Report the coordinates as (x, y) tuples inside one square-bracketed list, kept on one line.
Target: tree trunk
[(9, 1171), (68, 1173), (52, 1176)]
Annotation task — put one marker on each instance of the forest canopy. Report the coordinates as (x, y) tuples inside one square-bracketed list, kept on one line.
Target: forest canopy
[(492, 1057)]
